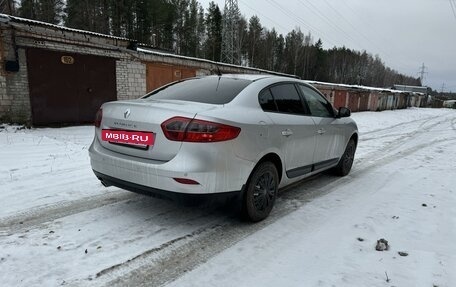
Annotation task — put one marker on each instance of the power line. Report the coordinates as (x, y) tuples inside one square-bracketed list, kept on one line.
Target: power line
[(348, 22), (359, 15), (453, 5), (322, 16), (311, 28), (353, 26), (288, 13), (263, 15)]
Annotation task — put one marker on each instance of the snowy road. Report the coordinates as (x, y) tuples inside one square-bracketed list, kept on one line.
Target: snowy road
[(59, 226)]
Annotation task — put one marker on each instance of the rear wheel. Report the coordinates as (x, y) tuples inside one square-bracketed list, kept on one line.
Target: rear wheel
[(261, 192), (346, 161)]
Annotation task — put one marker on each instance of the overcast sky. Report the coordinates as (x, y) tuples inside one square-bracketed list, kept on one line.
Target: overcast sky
[(404, 33)]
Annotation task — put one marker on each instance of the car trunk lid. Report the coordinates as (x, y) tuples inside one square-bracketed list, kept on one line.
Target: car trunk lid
[(146, 116)]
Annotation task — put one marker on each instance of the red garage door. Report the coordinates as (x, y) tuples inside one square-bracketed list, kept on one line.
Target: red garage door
[(340, 99), (67, 88), (363, 102), (353, 102), (161, 74)]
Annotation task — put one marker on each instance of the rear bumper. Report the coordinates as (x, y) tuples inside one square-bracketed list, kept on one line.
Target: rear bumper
[(180, 197), (213, 166)]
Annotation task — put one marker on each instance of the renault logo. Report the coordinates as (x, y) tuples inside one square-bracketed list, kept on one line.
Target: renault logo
[(127, 113)]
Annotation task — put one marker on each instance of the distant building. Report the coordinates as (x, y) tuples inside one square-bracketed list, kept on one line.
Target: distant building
[(449, 104), (364, 98), (415, 89)]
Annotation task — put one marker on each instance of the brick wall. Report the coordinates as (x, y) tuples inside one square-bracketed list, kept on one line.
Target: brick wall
[(14, 97), (131, 79), (17, 101), (5, 106)]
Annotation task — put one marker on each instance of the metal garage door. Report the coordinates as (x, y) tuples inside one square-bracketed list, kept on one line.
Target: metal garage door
[(353, 101), (67, 88), (340, 99), (161, 74), (363, 102)]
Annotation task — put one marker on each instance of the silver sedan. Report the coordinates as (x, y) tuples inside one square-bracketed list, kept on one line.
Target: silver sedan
[(243, 134)]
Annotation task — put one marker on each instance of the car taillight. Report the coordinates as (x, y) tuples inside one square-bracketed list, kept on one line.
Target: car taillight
[(98, 118), (192, 130)]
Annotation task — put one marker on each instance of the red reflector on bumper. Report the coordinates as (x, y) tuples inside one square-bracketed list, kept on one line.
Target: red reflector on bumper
[(186, 181)]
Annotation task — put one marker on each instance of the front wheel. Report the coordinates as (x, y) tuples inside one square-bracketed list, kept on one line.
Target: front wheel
[(261, 192), (346, 161)]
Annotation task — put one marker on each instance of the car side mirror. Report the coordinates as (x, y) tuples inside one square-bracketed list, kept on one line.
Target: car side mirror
[(343, 112)]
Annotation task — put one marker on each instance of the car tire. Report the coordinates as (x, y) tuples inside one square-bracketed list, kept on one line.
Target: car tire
[(346, 161), (260, 192)]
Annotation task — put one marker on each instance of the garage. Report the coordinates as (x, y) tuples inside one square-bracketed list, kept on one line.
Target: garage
[(353, 102), (68, 88), (340, 99), (159, 74), (363, 101)]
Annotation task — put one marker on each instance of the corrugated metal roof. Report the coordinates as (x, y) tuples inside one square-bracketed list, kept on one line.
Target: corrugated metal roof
[(418, 89), (8, 18)]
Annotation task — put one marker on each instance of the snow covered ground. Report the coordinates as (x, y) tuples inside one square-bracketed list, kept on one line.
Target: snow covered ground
[(60, 226)]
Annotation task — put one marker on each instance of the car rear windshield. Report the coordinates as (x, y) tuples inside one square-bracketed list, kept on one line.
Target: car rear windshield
[(210, 90)]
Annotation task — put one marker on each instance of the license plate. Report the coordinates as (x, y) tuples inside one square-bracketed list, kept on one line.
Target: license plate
[(128, 137)]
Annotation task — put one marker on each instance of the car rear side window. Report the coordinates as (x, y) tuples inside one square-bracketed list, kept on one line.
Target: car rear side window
[(210, 90), (267, 101), (287, 99)]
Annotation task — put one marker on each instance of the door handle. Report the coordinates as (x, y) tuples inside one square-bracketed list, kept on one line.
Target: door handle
[(321, 131), (287, 133)]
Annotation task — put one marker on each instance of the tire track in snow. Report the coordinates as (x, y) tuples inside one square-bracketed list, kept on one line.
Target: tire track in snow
[(453, 124), (158, 266), (48, 213), (402, 139), (401, 125), (393, 128)]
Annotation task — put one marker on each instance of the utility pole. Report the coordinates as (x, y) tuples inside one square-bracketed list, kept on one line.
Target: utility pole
[(422, 72), (443, 88), (230, 32)]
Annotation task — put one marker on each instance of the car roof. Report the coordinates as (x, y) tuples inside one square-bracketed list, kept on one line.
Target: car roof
[(250, 77)]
